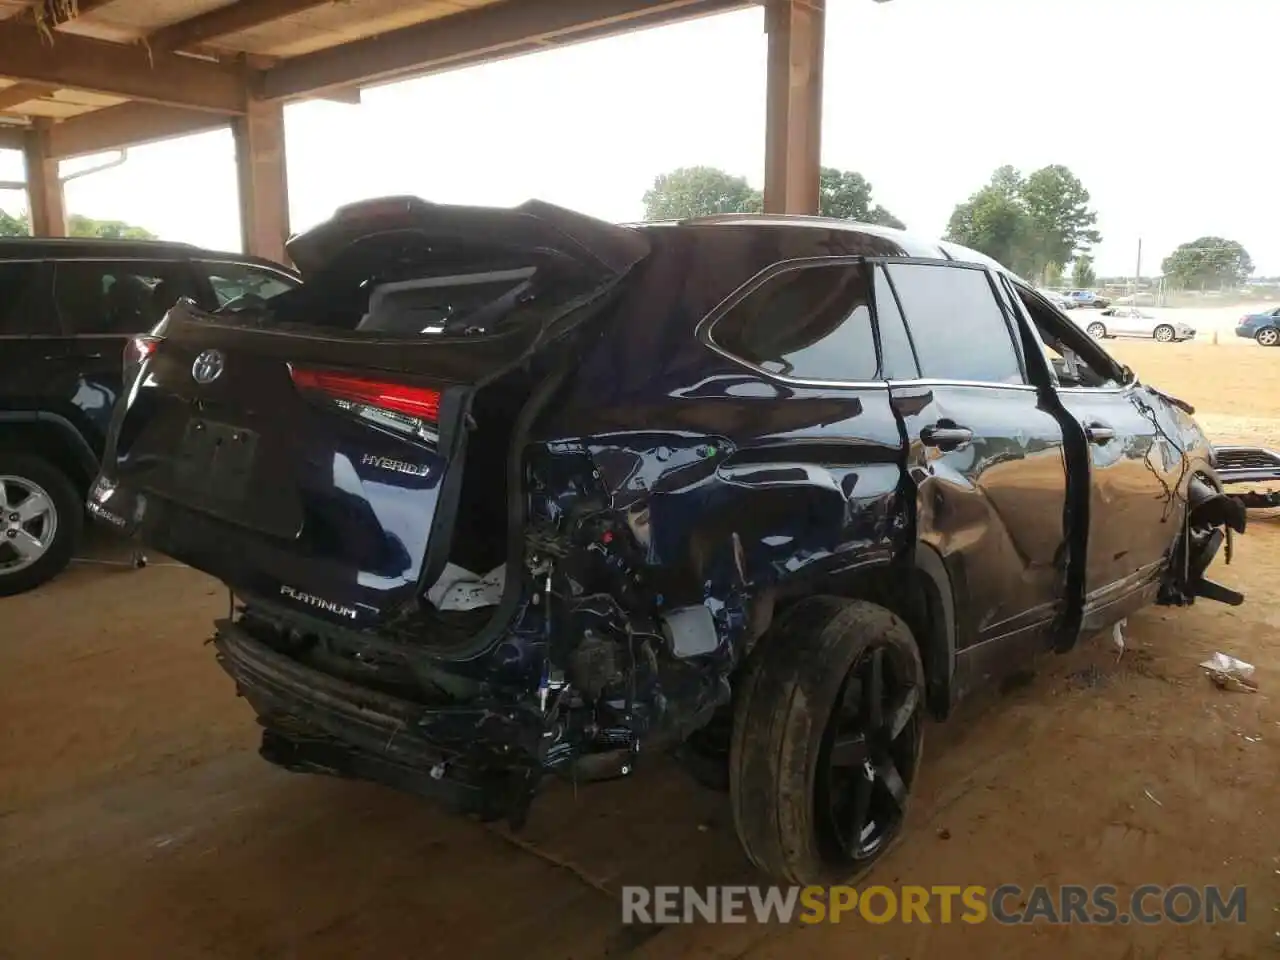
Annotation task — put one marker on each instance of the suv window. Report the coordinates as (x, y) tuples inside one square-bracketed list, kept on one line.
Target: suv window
[(959, 330), (117, 297), (22, 310), (231, 281), (811, 322)]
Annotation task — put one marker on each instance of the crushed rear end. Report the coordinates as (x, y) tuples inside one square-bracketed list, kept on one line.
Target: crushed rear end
[(350, 459)]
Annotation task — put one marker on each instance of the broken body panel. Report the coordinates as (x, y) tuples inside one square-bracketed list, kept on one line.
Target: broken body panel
[(645, 500)]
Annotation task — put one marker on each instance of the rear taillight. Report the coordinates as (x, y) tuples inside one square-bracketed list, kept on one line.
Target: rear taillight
[(136, 350), (397, 406)]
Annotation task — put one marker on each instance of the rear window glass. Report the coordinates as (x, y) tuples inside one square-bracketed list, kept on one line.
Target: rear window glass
[(811, 323), (22, 309), (118, 297), (232, 282), (957, 326)]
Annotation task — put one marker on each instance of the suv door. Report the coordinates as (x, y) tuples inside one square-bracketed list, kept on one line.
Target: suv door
[(101, 304), (988, 462), (31, 348), (1136, 469)]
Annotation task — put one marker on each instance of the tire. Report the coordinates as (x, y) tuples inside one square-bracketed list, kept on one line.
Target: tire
[(1165, 333), (807, 759), (1268, 337), (58, 528), (1096, 330)]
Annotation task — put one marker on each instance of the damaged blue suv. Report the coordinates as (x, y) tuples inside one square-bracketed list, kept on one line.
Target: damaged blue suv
[(508, 493)]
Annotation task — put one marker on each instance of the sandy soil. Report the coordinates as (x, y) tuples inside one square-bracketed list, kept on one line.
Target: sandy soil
[(137, 821)]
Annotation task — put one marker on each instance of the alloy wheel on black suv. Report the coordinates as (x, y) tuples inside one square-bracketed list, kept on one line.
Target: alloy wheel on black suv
[(41, 518)]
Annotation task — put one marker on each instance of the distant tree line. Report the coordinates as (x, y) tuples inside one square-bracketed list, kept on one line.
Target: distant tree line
[(77, 226), (704, 191)]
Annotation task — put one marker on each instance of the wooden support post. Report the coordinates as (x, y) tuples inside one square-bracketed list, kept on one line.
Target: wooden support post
[(44, 189), (793, 113), (264, 185)]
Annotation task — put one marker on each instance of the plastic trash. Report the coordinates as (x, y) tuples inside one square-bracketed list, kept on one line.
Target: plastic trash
[(1228, 673)]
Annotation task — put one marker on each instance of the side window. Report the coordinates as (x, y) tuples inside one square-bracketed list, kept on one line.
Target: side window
[(812, 322), (957, 325), (24, 308), (898, 360), (1076, 361), (117, 297), (230, 281)]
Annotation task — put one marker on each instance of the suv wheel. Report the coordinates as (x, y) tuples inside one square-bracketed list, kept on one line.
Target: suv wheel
[(1268, 337), (1096, 330), (826, 741), (40, 522)]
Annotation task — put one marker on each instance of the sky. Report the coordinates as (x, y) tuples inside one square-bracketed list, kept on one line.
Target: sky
[(1163, 108)]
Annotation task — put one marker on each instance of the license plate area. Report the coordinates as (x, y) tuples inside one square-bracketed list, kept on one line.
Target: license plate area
[(215, 460)]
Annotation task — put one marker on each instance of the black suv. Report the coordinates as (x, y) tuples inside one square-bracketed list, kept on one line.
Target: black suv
[(68, 311), (508, 493)]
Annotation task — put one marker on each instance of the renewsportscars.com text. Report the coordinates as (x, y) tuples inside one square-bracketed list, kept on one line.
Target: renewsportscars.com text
[(1006, 904)]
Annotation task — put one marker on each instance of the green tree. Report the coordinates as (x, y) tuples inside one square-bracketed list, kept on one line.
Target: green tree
[(78, 226), (995, 222), (13, 226), (699, 192), (846, 194), (702, 191), (1063, 224), (1208, 262), (1082, 273), (81, 226), (1031, 224), (1053, 275)]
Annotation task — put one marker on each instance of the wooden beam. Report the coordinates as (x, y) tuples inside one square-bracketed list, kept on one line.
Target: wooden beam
[(128, 125), (18, 93), (45, 197), (793, 105), (489, 32), (223, 21), (123, 70), (263, 179), (54, 12)]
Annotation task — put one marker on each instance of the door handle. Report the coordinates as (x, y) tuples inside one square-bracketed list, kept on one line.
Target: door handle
[(944, 433), (1098, 432)]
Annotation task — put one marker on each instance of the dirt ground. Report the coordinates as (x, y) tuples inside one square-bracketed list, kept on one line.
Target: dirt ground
[(136, 819)]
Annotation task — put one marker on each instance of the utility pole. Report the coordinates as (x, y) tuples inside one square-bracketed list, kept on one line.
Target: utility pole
[(1137, 273)]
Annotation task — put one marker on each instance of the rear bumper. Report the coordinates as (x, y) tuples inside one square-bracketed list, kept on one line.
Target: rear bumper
[(476, 759), (1248, 332)]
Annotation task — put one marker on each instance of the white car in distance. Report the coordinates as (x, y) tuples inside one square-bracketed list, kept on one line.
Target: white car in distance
[(1132, 322)]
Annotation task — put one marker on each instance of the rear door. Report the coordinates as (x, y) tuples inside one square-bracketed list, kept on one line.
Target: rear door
[(988, 461), (100, 305), (32, 351)]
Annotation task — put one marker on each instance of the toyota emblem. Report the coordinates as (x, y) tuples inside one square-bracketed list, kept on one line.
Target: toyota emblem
[(208, 366)]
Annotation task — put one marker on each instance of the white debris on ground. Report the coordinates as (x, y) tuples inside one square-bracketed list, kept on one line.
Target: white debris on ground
[(460, 589), (1229, 673), (1117, 637)]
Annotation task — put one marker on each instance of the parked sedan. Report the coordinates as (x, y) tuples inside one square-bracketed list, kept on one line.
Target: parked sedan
[(1086, 298), (1263, 327), (1131, 322), (1057, 299)]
